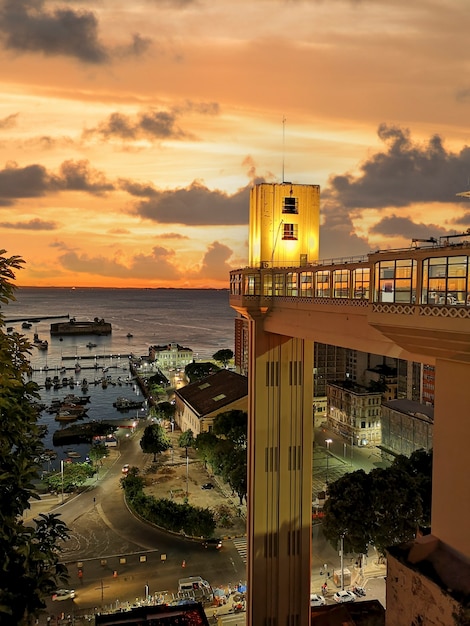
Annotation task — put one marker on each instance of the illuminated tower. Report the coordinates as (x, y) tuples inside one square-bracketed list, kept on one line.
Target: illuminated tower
[(284, 224), (284, 229)]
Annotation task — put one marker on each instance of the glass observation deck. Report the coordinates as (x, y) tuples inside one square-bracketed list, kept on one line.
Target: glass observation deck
[(418, 298), (437, 276)]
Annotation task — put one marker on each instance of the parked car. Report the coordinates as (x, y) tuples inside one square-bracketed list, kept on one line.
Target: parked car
[(212, 543), (344, 596), (207, 486), (359, 591), (63, 594), (316, 600)]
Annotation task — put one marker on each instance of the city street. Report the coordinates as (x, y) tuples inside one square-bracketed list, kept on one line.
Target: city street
[(115, 560)]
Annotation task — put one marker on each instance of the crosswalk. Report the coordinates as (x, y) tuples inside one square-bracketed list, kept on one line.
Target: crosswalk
[(240, 545)]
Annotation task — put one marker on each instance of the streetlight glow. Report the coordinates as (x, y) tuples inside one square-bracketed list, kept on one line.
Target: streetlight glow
[(327, 441)]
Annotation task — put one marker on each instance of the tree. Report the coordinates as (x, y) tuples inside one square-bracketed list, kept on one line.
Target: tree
[(98, 452), (196, 371), (223, 356), (165, 410), (154, 440), (186, 440), (73, 476), (29, 556), (383, 508), (233, 425)]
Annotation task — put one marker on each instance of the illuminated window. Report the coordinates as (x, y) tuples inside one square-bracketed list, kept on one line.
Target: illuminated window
[(290, 205), (291, 231), (322, 284), (291, 284), (446, 280), (306, 284), (395, 281)]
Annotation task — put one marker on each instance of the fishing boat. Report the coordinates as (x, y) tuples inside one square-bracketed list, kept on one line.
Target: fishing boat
[(90, 344), (125, 404), (26, 325), (73, 454)]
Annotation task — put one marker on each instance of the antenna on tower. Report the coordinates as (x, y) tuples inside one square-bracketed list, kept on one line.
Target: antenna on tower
[(283, 144)]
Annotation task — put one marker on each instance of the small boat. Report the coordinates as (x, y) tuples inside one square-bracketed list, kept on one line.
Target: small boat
[(42, 345), (77, 368), (9, 329), (129, 335), (26, 325), (90, 344), (72, 454), (73, 399), (125, 404)]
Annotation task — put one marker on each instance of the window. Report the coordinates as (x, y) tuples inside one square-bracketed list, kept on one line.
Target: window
[(306, 284), (322, 284), (290, 205), (291, 284), (361, 281), (446, 281), (221, 396), (268, 285), (291, 231), (341, 284), (395, 281)]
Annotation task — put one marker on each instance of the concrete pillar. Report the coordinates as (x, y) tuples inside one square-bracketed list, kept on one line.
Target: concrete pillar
[(279, 478), (451, 455)]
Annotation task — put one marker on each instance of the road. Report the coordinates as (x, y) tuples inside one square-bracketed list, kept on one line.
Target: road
[(119, 557), (122, 558)]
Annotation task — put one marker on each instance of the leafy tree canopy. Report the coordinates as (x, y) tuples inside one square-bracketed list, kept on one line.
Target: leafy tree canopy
[(154, 440), (30, 569), (233, 425), (383, 508), (223, 356), (98, 452), (196, 371), (165, 410), (224, 449), (186, 439), (73, 476)]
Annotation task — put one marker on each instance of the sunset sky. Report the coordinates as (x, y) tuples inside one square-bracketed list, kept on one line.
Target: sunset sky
[(131, 131)]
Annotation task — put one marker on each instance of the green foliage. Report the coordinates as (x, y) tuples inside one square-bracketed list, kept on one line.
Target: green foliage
[(233, 425), (165, 410), (154, 440), (224, 449), (98, 452), (383, 508), (29, 570), (223, 356), (197, 371), (186, 439), (74, 475), (191, 520)]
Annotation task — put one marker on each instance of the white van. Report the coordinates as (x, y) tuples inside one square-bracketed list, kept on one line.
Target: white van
[(195, 586)]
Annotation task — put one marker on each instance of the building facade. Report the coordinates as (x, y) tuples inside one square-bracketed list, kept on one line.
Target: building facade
[(354, 412), (171, 356), (406, 426)]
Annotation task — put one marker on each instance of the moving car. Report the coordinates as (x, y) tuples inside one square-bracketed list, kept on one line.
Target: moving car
[(316, 600), (212, 543), (207, 486), (344, 596), (64, 594), (125, 469)]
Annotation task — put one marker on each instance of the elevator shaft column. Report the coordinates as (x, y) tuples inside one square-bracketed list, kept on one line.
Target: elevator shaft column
[(451, 457), (280, 428)]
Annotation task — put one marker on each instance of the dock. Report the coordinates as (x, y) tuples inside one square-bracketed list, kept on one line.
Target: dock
[(35, 320)]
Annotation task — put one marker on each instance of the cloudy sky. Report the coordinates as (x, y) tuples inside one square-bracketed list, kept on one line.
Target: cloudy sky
[(131, 132)]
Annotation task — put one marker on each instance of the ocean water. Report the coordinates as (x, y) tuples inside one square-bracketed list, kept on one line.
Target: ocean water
[(198, 319)]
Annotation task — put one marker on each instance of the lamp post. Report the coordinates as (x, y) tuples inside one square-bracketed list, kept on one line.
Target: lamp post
[(327, 441), (62, 478), (342, 558)]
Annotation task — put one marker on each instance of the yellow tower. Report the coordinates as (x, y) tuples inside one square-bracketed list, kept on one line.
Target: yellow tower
[(284, 224), (284, 229)]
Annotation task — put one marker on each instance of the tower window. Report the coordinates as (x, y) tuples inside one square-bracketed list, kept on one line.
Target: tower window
[(290, 205), (290, 231)]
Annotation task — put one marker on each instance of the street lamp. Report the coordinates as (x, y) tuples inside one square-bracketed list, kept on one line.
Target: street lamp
[(62, 476), (327, 441)]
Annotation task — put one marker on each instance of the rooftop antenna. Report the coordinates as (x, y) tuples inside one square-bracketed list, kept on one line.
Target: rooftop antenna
[(283, 143)]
